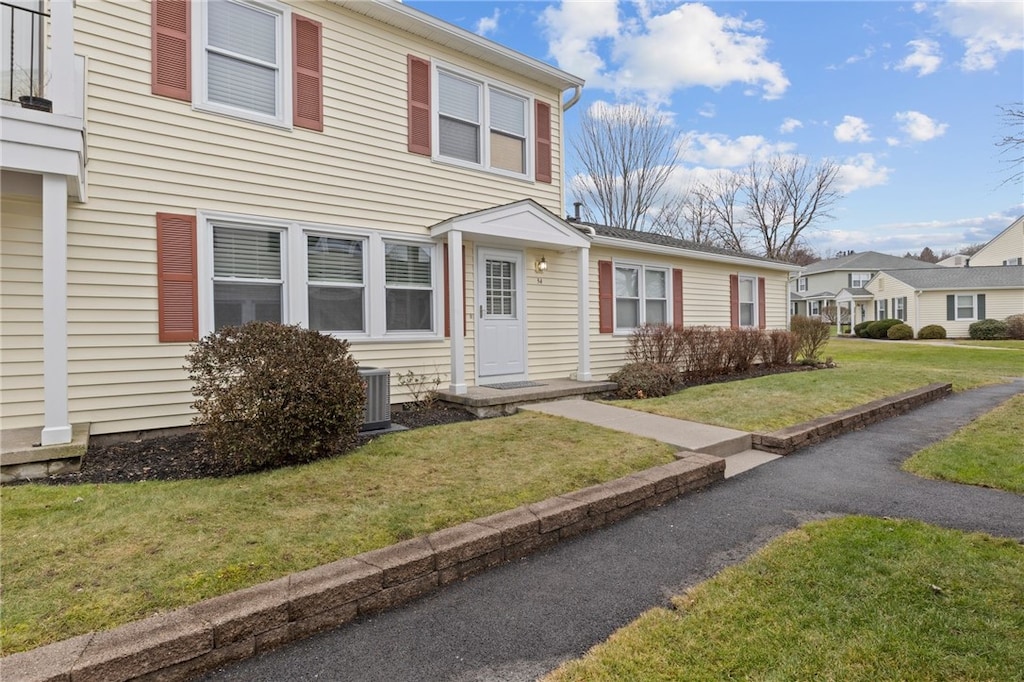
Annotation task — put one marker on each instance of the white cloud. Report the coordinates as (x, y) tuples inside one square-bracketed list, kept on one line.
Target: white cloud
[(989, 30), (892, 141), (924, 56), (790, 124), (860, 172), (721, 151), (853, 129), (919, 127), (920, 7), (488, 24), (656, 54), (707, 110)]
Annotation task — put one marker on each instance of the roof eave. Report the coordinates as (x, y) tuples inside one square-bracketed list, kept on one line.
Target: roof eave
[(692, 253)]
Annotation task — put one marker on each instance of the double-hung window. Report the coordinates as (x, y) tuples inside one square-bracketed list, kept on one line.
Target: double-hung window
[(481, 124), (881, 309), (409, 286), (801, 284), (859, 280), (815, 308), (965, 306), (242, 59), (748, 302), (899, 309), (248, 281), (641, 296), (336, 285)]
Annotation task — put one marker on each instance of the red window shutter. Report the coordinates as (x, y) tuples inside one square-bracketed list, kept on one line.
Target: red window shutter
[(419, 105), (447, 293), (308, 73), (677, 297), (605, 297), (177, 279), (734, 301), (171, 56), (543, 160), (762, 307)]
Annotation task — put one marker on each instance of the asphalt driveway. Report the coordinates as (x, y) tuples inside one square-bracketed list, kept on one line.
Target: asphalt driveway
[(521, 620)]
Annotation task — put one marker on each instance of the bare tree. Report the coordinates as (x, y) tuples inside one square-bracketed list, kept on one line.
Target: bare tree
[(688, 216), (1012, 143), (722, 197), (628, 153)]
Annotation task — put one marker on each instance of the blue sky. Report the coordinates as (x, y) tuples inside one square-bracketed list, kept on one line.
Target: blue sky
[(903, 95)]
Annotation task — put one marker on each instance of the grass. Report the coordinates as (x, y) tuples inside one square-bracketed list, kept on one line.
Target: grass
[(849, 599), (86, 557), (866, 371), (997, 343), (988, 452)]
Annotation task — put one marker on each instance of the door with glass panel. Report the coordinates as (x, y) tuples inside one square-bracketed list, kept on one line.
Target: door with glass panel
[(501, 327)]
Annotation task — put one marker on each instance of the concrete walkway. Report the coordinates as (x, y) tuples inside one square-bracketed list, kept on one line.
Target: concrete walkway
[(686, 435), (520, 620)]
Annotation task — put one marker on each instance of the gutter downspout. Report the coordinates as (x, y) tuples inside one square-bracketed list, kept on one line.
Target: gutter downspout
[(566, 106)]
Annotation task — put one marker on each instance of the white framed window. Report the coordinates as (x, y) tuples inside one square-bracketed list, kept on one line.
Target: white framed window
[(881, 309), (801, 284), (859, 280), (481, 124), (241, 59), (353, 283), (1014, 261), (641, 296), (899, 308), (815, 308), (748, 301), (248, 275), (966, 306)]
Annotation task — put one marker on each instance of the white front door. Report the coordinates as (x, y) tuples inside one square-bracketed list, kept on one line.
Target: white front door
[(501, 319)]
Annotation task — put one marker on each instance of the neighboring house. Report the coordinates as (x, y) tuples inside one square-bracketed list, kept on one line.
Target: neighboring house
[(1006, 248), (817, 286), (354, 166), (950, 297)]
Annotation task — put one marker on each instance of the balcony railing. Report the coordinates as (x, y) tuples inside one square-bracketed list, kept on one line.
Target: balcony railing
[(22, 37)]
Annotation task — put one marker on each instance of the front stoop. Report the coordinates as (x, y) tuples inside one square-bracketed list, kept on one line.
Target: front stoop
[(189, 641), (482, 401), (23, 459)]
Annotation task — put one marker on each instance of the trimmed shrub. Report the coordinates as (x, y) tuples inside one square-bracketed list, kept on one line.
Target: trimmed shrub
[(645, 380), (861, 329), (988, 329), (659, 344), (705, 351), (743, 348), (811, 337), (1015, 326), (900, 332), (270, 395), (779, 347), (880, 328), (932, 331)]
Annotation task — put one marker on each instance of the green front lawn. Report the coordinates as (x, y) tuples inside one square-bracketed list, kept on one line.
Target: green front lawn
[(866, 371), (86, 557), (997, 343), (849, 599)]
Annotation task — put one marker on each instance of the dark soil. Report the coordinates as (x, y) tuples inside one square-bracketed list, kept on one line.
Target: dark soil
[(185, 455)]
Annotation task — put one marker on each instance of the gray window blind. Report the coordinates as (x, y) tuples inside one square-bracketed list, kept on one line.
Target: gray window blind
[(245, 253), (508, 113), (459, 140), (459, 98), (242, 69), (407, 265), (334, 260)]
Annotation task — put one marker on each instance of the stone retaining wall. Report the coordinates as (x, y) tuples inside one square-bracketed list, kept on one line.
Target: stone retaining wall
[(197, 638), (788, 440)]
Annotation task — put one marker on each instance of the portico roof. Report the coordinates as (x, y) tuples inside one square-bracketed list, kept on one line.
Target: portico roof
[(523, 223)]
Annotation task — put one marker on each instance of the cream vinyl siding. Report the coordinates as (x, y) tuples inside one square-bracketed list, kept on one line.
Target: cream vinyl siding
[(552, 310), (21, 325), (999, 304), (150, 154), (705, 300), (893, 288), (1007, 245)]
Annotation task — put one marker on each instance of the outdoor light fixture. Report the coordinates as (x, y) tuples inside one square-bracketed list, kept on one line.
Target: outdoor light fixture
[(541, 266)]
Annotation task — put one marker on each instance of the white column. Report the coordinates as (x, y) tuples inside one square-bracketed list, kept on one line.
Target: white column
[(56, 426), (61, 69), (456, 312), (583, 286)]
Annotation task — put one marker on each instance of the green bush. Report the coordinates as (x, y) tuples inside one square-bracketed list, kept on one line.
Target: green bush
[(1015, 326), (879, 329), (900, 332), (811, 336), (779, 348), (270, 395), (932, 331), (988, 329), (645, 380), (861, 329)]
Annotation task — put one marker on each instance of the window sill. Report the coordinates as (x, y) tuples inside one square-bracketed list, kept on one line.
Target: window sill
[(466, 165), (242, 115)]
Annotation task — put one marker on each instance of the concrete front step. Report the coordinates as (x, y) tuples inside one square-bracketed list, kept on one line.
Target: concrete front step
[(703, 438), (747, 460)]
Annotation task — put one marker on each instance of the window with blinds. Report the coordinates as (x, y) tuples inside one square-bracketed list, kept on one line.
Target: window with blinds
[(336, 286), (409, 285), (247, 276), (748, 302), (641, 296), (458, 118)]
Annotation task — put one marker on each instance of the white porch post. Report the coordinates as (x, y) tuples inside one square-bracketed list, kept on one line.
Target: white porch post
[(61, 69), (56, 426), (456, 313), (583, 286)]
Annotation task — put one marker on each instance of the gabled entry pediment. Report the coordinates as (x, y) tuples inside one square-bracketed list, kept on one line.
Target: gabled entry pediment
[(523, 223)]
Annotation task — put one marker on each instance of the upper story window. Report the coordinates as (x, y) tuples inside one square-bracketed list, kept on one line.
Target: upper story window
[(1014, 261), (801, 284), (641, 296), (859, 280), (480, 124), (241, 58)]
